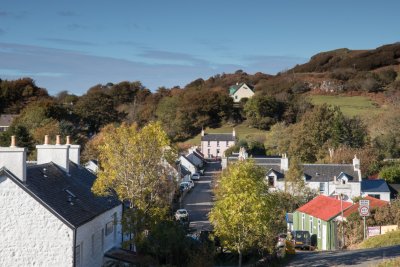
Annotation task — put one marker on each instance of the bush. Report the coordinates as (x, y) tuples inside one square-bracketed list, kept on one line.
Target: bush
[(391, 173)]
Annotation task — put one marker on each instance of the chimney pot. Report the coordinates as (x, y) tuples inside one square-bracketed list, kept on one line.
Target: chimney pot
[(46, 139), (68, 140), (13, 141), (58, 142)]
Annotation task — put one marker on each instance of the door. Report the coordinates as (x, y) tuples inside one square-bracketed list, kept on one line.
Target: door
[(324, 237)]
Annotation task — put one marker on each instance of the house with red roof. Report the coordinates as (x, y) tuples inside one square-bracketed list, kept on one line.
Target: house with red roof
[(319, 218)]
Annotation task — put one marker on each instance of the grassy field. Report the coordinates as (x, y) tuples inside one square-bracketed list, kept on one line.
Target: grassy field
[(390, 263), (388, 239), (349, 105), (242, 131)]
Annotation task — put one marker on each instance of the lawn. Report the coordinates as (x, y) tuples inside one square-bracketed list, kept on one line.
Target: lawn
[(388, 239), (390, 263), (242, 132), (349, 105)]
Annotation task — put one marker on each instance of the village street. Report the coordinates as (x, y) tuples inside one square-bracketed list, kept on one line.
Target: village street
[(198, 202), (359, 258)]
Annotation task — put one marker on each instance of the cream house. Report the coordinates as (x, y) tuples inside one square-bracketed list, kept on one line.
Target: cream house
[(240, 91)]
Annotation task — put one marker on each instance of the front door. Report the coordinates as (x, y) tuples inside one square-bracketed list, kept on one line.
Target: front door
[(324, 237)]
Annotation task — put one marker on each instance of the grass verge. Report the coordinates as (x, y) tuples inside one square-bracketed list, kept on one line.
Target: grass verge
[(388, 239), (390, 263)]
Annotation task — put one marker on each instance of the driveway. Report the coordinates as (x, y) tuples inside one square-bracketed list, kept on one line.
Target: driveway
[(198, 202), (362, 257)]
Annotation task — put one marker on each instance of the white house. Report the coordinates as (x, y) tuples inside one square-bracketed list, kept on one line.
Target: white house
[(49, 216), (214, 145), (6, 121), (378, 189), (187, 164), (240, 91), (326, 179), (195, 157)]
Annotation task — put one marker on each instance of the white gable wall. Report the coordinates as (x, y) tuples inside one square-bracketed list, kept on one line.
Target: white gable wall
[(93, 240), (243, 92), (30, 234), (188, 165), (383, 195)]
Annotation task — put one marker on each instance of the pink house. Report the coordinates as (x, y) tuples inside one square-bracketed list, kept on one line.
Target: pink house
[(214, 145)]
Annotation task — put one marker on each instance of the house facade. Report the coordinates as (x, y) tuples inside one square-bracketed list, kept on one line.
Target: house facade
[(5, 121), (318, 217), (214, 145), (240, 91), (49, 215), (378, 189)]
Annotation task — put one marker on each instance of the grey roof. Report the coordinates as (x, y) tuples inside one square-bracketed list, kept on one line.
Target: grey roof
[(7, 119), (218, 137), (394, 190), (58, 190), (378, 185), (191, 162), (327, 172), (279, 173), (259, 160)]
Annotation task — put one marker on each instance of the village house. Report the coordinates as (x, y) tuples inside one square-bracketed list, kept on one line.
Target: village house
[(49, 216), (377, 189), (326, 179), (318, 217), (240, 91), (5, 121), (214, 145)]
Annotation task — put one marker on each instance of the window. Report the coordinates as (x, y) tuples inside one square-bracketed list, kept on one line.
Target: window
[(208, 152), (271, 181), (319, 228), (218, 143), (209, 143), (236, 97), (343, 181), (377, 196), (311, 224), (227, 143), (217, 152), (109, 228), (302, 221), (321, 187)]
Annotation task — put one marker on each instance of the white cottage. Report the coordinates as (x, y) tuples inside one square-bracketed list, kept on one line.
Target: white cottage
[(49, 216), (214, 145), (240, 91)]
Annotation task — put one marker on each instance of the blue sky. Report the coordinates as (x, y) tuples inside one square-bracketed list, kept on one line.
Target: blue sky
[(73, 45)]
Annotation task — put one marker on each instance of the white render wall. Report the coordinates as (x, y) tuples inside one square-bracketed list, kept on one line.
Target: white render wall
[(30, 235), (243, 92), (92, 256), (384, 195), (210, 151), (188, 165)]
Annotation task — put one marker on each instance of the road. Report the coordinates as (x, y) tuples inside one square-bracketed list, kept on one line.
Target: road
[(364, 257), (198, 202)]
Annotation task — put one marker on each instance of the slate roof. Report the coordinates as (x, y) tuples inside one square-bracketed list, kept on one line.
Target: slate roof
[(378, 185), (324, 208), (6, 119), (218, 137), (394, 190), (373, 203), (236, 87), (326, 172), (50, 184)]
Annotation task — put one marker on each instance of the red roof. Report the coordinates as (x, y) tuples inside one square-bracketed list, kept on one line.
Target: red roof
[(373, 203), (323, 207)]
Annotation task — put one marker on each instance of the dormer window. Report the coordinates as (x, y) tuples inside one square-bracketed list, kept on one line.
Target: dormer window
[(271, 181)]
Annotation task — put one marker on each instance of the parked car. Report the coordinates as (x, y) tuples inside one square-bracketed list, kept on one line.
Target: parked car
[(196, 176), (184, 186), (181, 214), (191, 183), (301, 239)]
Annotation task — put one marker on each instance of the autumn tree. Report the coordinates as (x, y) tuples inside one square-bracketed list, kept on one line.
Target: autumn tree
[(133, 166), (241, 209), (263, 111)]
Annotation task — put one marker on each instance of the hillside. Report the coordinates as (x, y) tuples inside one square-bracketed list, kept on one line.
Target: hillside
[(360, 60)]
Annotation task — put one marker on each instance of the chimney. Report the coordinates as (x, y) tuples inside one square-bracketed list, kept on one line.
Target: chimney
[(58, 154), (202, 131), (284, 163), (356, 163), (14, 159), (233, 132), (74, 151)]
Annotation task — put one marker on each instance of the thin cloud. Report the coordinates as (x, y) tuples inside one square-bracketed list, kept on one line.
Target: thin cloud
[(173, 57), (68, 42), (66, 13), (4, 14), (2, 31), (76, 26)]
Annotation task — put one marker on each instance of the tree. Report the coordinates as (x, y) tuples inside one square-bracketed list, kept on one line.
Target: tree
[(133, 166), (263, 111), (240, 212), (391, 173), (294, 178)]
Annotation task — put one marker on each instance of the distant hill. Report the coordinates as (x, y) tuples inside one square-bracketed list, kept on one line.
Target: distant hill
[(361, 60)]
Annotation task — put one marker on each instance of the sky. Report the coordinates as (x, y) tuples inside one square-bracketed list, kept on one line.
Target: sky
[(73, 45)]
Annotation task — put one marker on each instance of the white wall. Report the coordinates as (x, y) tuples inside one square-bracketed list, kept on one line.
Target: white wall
[(93, 255), (30, 235), (188, 165), (209, 149), (242, 92), (383, 196)]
